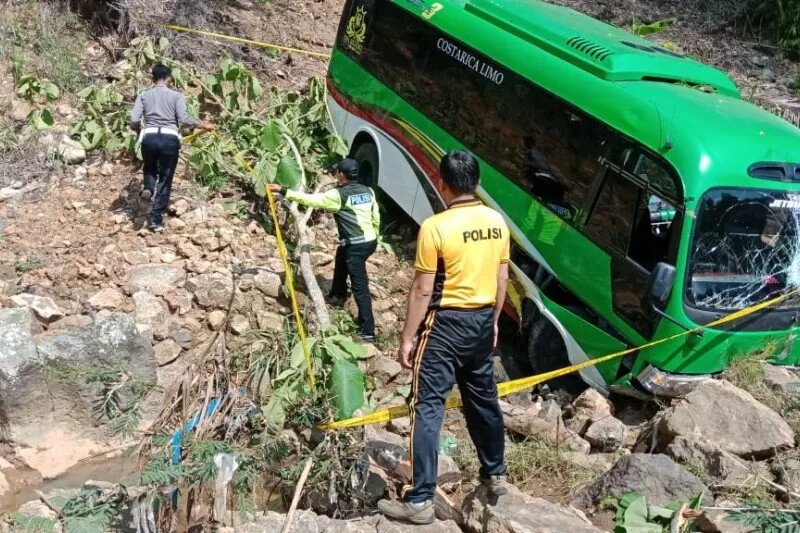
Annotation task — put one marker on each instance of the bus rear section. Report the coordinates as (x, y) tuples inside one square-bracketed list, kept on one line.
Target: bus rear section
[(597, 209)]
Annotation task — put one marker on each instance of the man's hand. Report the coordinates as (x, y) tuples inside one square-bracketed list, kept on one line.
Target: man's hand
[(404, 354), (496, 333), (206, 126), (274, 187)]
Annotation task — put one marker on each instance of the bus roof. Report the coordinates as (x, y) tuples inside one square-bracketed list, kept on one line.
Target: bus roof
[(660, 99), (602, 49)]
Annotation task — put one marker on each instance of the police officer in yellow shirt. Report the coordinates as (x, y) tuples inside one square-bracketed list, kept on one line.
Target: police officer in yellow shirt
[(450, 333)]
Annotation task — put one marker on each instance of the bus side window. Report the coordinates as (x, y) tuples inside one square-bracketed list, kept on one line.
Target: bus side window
[(613, 217)]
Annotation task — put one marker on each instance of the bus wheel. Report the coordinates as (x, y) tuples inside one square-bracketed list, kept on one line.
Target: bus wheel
[(547, 352), (366, 156)]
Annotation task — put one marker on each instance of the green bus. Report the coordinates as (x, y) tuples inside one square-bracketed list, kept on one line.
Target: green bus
[(645, 196)]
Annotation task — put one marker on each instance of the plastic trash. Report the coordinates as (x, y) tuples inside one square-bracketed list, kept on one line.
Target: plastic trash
[(226, 465), (448, 446)]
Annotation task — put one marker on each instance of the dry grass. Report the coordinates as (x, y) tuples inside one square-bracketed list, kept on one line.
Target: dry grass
[(535, 466), (748, 373)]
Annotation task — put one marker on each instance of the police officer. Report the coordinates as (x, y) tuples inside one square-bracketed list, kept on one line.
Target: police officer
[(357, 216), (164, 112), (450, 333)]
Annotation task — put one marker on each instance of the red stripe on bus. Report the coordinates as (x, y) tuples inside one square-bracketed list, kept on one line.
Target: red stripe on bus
[(428, 165)]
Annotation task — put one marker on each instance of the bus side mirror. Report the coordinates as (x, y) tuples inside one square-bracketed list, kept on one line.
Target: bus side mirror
[(660, 287)]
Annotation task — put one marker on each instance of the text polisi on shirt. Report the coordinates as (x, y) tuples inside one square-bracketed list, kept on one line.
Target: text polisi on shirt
[(476, 64)]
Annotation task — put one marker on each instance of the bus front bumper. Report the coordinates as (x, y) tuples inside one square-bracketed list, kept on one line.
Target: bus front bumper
[(661, 383)]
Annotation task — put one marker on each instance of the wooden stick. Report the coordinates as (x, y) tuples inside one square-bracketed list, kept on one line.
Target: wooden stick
[(49, 505), (296, 498)]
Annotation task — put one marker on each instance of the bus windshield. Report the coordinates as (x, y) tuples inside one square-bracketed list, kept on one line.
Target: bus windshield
[(746, 249)]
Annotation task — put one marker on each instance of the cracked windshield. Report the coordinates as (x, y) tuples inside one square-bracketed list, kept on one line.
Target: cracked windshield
[(746, 249)]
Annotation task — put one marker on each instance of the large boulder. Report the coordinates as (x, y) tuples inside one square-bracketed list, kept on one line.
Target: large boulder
[(17, 347), (516, 512), (729, 417), (49, 403), (660, 479)]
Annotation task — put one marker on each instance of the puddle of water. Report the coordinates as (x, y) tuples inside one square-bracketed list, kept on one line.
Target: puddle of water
[(118, 469)]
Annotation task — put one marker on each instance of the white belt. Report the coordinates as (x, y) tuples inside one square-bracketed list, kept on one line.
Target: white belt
[(160, 129)]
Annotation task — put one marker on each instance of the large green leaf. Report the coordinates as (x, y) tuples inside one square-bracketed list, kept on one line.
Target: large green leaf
[(354, 349), (298, 359), (289, 173), (348, 388), (270, 138), (633, 516)]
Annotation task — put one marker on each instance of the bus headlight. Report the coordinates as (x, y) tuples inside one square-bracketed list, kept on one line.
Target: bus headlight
[(662, 383)]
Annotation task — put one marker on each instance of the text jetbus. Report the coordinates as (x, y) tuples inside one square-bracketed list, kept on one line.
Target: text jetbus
[(644, 195)]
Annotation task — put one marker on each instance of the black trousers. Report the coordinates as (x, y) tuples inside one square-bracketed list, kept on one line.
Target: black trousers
[(160, 152), (351, 260), (455, 346)]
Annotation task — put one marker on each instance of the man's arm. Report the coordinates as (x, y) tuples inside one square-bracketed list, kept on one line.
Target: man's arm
[(418, 301), (136, 114), (502, 282), (426, 264), (376, 215), (329, 200)]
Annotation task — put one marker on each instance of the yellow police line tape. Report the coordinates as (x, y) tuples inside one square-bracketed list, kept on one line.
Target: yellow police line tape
[(301, 329), (186, 29), (511, 387)]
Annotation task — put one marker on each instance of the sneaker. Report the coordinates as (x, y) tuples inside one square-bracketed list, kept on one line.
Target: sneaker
[(146, 195), (409, 512), (157, 228), (336, 301), (497, 485), (367, 338)]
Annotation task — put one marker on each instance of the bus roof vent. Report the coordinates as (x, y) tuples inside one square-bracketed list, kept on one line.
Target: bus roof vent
[(769, 170), (587, 47)]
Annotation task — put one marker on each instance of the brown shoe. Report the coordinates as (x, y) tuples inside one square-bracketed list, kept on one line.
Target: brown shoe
[(407, 512), (497, 485)]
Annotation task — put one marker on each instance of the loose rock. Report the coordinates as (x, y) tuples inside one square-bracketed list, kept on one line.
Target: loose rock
[(606, 435), (216, 319), (44, 308), (268, 283), (516, 512), (728, 469), (70, 151), (151, 315), (730, 418), (156, 279), (212, 290), (525, 421), (166, 352), (110, 299), (660, 479)]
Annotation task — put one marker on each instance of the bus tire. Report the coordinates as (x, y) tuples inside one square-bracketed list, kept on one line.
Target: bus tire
[(547, 352), (366, 155)]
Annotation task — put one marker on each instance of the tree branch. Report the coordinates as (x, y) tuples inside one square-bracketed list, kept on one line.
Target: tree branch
[(303, 245)]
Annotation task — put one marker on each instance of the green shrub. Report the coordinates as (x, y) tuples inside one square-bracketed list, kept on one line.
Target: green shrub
[(781, 19)]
